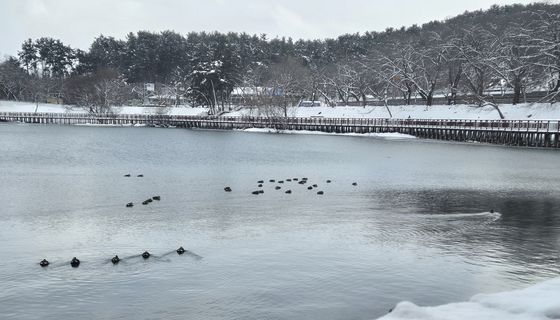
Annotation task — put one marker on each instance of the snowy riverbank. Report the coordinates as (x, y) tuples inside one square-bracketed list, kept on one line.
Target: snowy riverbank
[(540, 301), (13, 106), (388, 135), (542, 111)]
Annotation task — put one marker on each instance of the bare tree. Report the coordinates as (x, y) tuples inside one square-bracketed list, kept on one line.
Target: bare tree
[(543, 33), (285, 80), (428, 63), (453, 69), (337, 82), (514, 61), (99, 92), (379, 86), (398, 69)]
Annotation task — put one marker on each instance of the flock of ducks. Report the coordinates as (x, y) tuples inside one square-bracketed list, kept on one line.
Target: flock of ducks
[(145, 202), (138, 176), (301, 181), (75, 262)]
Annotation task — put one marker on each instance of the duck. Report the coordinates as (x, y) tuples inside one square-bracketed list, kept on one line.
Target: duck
[(314, 186), (261, 191), (278, 188), (115, 259), (329, 181), (310, 188), (75, 262), (181, 250), (44, 263), (157, 198), (127, 175), (255, 192), (227, 189), (354, 183), (130, 205), (288, 191), (260, 186), (145, 254), (320, 192), (491, 210), (145, 202), (281, 181), (271, 180), (149, 200), (289, 180), (140, 175), (260, 181)]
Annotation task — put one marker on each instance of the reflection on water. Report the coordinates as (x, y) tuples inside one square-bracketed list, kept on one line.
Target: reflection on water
[(417, 227)]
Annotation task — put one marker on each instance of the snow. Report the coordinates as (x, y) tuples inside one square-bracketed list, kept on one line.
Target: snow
[(12, 106), (541, 111), (251, 91), (173, 111), (388, 135), (109, 125), (541, 301)]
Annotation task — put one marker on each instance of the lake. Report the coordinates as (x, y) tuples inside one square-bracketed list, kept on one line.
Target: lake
[(417, 226)]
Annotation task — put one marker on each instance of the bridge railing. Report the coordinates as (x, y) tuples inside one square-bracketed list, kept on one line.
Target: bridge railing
[(502, 125)]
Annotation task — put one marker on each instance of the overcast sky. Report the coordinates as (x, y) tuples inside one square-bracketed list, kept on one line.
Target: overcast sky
[(78, 22)]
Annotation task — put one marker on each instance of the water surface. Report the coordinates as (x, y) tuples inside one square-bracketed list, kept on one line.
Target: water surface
[(416, 227)]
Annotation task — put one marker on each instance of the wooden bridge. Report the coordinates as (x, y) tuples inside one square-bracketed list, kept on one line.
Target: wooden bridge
[(529, 133)]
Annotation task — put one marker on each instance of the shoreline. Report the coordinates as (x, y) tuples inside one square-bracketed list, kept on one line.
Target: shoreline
[(385, 135), (538, 301)]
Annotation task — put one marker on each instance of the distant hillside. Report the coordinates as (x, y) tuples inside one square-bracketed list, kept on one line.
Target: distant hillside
[(471, 57)]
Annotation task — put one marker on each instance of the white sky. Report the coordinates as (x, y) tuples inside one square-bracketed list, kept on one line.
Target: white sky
[(78, 22)]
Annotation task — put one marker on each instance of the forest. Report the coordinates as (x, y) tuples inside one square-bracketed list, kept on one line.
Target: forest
[(469, 58)]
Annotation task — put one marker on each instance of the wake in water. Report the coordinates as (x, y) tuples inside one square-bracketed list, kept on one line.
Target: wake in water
[(135, 257), (491, 215), (434, 228), (186, 252)]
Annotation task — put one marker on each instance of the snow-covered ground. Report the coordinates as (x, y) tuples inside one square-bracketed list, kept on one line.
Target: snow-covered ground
[(12, 106), (539, 302), (541, 111)]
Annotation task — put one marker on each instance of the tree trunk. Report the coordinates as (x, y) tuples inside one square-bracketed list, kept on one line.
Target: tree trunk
[(355, 96), (341, 96), (429, 99), (557, 87), (499, 111), (388, 110), (408, 96), (453, 98), (454, 82), (516, 91)]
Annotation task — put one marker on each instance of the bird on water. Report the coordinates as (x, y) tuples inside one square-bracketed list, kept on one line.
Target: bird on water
[(75, 262)]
